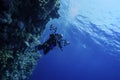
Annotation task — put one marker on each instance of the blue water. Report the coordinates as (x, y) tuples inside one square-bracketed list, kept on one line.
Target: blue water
[(93, 30)]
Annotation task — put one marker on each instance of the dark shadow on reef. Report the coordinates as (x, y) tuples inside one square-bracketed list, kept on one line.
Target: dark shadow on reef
[(21, 24)]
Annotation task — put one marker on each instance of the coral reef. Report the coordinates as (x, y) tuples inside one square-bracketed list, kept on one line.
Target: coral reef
[(21, 24)]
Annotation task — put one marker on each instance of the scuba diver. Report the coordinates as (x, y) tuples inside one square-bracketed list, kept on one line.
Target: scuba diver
[(54, 40)]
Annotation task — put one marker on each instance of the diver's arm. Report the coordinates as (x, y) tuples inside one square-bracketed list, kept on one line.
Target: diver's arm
[(65, 42), (60, 46)]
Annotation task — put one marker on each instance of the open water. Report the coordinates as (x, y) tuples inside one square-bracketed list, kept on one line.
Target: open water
[(93, 29)]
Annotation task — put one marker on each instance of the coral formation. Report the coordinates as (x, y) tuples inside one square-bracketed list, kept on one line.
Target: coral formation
[(21, 24)]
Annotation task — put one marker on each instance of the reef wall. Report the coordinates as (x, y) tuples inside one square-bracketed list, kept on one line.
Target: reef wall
[(21, 24)]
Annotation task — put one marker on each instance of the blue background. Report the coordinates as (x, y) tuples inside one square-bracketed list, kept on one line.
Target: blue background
[(93, 29)]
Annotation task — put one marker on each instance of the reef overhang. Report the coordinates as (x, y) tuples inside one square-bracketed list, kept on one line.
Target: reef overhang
[(21, 25)]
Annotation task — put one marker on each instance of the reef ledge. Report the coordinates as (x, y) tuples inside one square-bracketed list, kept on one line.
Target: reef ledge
[(21, 25)]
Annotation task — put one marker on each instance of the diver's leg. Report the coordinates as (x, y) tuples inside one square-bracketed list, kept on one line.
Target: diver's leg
[(46, 50), (39, 47)]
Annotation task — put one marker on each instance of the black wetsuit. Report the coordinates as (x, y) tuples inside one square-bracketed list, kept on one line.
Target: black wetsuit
[(54, 40)]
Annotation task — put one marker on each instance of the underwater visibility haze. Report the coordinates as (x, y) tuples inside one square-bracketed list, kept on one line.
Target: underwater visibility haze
[(93, 29)]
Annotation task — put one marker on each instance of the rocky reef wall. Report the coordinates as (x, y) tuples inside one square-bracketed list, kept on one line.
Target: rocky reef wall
[(21, 24)]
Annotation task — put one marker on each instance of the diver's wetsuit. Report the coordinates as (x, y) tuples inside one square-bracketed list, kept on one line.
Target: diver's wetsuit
[(54, 40)]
